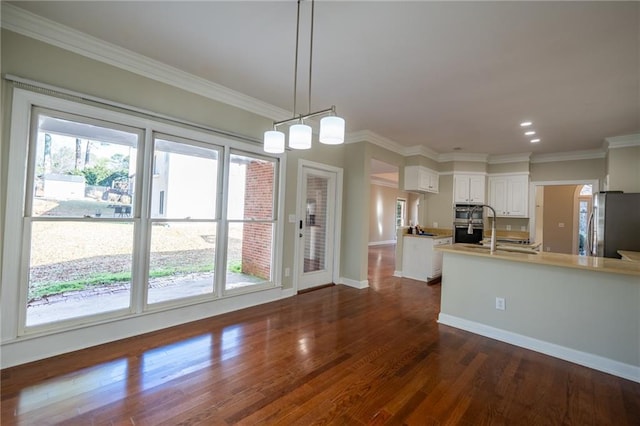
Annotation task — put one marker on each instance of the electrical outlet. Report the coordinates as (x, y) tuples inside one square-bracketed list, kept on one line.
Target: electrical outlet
[(508, 227), (435, 224), (560, 225), (523, 228), (500, 303), (287, 272), (547, 248)]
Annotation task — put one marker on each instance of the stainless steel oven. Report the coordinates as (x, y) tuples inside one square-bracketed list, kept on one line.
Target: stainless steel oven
[(461, 234), (463, 214)]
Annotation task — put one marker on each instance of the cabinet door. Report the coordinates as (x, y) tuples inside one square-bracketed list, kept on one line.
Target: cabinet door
[(434, 182), (476, 189), (411, 178), (498, 195), (425, 180), (460, 189), (518, 196)]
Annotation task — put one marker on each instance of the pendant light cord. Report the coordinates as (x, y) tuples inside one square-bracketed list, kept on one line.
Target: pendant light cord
[(295, 67), (311, 53)]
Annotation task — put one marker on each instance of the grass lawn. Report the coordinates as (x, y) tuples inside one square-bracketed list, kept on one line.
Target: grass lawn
[(76, 255)]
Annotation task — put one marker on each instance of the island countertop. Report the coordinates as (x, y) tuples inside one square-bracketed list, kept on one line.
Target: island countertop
[(434, 236), (597, 264)]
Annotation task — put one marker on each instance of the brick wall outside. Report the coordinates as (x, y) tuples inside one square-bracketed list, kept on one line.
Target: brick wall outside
[(258, 204)]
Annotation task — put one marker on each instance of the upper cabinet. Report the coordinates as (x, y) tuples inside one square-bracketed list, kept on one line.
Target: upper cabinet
[(468, 189), (509, 195), (420, 179)]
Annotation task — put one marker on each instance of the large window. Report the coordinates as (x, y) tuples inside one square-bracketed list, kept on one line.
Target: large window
[(79, 218), (121, 215), (184, 222), (251, 224)]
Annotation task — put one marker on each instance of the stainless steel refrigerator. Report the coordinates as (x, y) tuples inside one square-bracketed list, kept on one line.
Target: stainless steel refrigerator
[(614, 224)]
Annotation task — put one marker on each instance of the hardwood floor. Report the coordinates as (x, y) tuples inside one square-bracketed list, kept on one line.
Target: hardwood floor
[(336, 355)]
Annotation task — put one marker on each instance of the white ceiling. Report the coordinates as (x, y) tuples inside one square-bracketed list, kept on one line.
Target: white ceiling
[(440, 74)]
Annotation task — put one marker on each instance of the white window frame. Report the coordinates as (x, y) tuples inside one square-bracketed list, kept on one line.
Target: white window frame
[(15, 263)]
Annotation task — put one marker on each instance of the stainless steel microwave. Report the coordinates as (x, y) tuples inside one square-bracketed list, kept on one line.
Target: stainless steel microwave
[(463, 212)]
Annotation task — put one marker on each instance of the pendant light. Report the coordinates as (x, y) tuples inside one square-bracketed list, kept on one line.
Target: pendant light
[(332, 127)]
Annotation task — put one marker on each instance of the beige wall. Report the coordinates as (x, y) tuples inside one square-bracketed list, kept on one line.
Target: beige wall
[(439, 207), (623, 166), (520, 167), (382, 213), (558, 218), (568, 170)]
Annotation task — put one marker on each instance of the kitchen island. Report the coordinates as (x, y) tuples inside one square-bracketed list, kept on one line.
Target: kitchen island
[(420, 260), (582, 309)]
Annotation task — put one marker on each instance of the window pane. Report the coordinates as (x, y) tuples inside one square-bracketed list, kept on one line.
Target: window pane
[(184, 181), (181, 260), (83, 170), (78, 269), (249, 254), (316, 223), (251, 193)]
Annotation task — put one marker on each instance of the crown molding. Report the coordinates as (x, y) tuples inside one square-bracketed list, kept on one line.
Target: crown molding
[(374, 138), (460, 156), (510, 158), (625, 141), (31, 25), (383, 182), (422, 150), (569, 156)]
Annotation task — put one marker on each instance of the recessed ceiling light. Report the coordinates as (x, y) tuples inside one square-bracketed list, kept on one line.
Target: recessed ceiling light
[(529, 133), (526, 124), (535, 140)]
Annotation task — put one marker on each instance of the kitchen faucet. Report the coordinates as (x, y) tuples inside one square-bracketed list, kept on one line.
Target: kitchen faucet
[(493, 224)]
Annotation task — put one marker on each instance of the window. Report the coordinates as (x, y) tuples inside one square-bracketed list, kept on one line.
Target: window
[(79, 217), (251, 225), (110, 226), (184, 234), (401, 212)]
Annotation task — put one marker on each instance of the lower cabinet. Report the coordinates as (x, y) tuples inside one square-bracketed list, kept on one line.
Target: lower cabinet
[(419, 259)]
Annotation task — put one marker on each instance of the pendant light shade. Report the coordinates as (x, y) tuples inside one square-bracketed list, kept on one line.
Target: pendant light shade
[(273, 142), (332, 130), (300, 136)]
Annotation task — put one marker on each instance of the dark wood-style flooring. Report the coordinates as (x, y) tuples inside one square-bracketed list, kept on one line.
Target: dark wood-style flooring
[(336, 355)]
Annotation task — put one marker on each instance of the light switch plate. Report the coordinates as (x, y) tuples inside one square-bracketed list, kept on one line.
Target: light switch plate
[(292, 218)]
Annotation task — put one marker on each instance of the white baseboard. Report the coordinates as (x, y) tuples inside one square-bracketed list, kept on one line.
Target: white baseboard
[(382, 243), (597, 362), (397, 274), (353, 283)]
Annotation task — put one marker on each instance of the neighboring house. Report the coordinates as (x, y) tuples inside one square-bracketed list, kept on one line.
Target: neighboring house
[(60, 186)]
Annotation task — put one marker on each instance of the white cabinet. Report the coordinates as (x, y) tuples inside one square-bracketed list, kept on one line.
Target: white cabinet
[(509, 195), (420, 179), (419, 259), (468, 189)]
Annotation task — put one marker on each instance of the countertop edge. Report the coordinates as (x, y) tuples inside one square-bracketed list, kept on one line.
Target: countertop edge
[(434, 237), (595, 264)]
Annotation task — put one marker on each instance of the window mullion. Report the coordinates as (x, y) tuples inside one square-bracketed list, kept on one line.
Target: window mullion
[(140, 279), (221, 254)]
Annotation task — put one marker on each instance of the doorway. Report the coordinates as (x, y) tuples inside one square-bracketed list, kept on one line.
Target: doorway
[(319, 210), (584, 207), (560, 215)]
